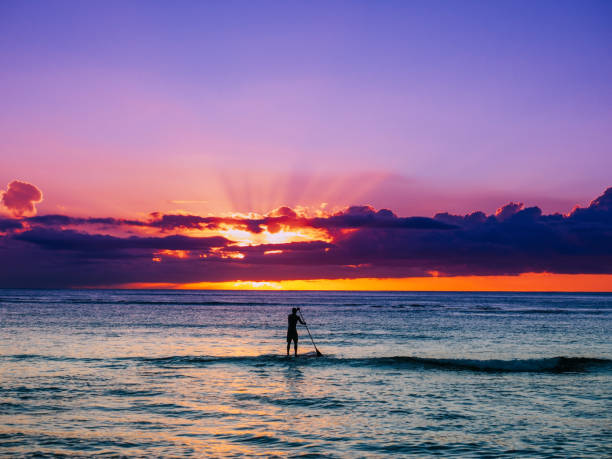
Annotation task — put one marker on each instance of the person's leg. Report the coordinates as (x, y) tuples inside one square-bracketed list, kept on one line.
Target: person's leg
[(295, 346), (288, 347)]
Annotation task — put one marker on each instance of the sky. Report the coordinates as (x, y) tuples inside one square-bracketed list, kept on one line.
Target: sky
[(373, 117)]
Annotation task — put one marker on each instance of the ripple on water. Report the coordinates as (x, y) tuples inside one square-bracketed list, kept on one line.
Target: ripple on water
[(306, 402)]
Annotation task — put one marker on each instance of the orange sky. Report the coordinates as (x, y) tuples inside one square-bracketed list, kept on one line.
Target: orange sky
[(527, 282)]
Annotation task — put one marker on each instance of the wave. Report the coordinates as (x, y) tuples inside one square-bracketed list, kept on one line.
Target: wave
[(560, 364), (549, 365), (561, 311)]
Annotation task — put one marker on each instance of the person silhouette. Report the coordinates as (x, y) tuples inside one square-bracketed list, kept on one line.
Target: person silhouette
[(292, 334)]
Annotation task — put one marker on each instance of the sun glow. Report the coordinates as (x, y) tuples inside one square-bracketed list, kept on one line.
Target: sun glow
[(174, 253), (249, 285), (246, 238)]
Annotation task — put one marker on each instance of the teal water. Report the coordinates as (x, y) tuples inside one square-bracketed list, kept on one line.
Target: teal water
[(195, 373)]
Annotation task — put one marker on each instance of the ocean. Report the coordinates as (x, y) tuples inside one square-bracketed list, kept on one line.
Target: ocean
[(154, 373)]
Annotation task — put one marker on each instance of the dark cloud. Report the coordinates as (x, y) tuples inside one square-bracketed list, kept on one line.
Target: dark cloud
[(20, 198), (168, 222), (64, 220), (375, 244), (7, 224), (82, 242), (283, 211), (55, 220), (284, 217), (598, 212), (507, 211), (366, 217)]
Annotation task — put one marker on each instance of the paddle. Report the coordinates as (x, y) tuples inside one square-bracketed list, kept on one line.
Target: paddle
[(313, 343)]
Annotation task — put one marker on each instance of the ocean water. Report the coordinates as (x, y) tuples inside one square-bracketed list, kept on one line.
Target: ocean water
[(204, 373)]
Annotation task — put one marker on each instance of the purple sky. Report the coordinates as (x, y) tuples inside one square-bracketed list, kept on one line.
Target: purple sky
[(119, 108)]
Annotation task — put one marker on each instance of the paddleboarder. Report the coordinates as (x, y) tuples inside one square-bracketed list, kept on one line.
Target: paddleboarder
[(292, 334)]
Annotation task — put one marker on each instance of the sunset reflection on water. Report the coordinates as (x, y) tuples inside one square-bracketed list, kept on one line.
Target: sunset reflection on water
[(167, 373)]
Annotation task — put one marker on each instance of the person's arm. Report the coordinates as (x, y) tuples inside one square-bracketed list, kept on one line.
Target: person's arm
[(301, 321)]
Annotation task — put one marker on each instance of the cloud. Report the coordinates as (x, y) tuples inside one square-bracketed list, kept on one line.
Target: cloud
[(507, 211), (7, 224), (352, 217), (367, 217), (363, 242), (64, 220), (600, 210), (20, 198), (284, 217), (283, 211), (51, 239)]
